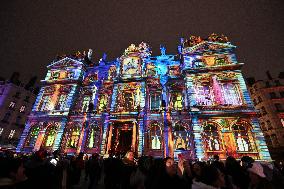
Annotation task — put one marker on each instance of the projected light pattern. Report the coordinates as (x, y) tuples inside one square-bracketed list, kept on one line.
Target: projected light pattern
[(195, 102)]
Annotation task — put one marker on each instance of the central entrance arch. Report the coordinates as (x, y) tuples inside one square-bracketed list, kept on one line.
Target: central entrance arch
[(123, 138)]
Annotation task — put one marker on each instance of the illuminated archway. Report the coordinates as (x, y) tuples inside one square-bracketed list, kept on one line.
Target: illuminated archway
[(73, 137), (93, 138), (50, 135), (211, 137), (155, 136), (243, 136), (32, 137), (181, 136)]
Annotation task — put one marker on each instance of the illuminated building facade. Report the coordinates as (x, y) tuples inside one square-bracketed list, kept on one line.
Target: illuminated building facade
[(195, 101), (268, 98)]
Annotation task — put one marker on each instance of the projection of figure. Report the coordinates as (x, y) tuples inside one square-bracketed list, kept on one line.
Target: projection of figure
[(74, 138), (213, 144), (156, 143), (91, 140), (242, 144), (180, 143)]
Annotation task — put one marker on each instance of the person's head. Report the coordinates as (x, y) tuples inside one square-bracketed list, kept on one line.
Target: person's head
[(170, 166), (216, 158), (232, 164), (130, 155), (145, 163), (256, 173), (247, 162), (212, 176), (197, 168)]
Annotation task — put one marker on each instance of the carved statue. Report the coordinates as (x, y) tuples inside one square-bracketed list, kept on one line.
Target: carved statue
[(163, 50)]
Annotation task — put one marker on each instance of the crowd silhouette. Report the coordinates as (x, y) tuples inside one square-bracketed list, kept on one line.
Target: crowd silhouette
[(58, 171)]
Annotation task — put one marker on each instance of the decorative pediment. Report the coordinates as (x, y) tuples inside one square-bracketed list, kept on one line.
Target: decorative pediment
[(64, 63), (206, 46), (211, 43)]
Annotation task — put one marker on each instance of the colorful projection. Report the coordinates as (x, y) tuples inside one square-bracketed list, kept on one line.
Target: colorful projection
[(194, 102)]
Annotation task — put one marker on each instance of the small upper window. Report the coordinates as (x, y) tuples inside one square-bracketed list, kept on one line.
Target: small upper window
[(17, 95), (2, 90), (27, 99), (22, 109), (12, 133), (277, 82), (259, 99), (12, 105), (272, 95)]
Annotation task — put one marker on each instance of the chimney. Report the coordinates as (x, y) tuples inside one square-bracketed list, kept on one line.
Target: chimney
[(250, 81), (31, 83), (15, 78), (268, 75), (281, 75)]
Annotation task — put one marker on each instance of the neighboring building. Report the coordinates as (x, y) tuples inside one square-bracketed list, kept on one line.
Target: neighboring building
[(16, 102), (196, 102), (268, 98)]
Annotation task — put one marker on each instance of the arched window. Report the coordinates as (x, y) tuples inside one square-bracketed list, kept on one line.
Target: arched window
[(32, 137), (181, 136), (103, 102), (85, 103), (177, 100), (93, 140), (50, 135), (241, 137), (211, 137), (155, 137), (73, 137)]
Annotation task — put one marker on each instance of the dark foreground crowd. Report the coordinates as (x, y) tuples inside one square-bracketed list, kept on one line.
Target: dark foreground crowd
[(54, 171)]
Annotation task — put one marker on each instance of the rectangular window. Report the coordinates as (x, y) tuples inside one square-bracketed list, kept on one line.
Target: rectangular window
[(1, 130), (176, 100), (262, 126), (263, 111), (269, 124), (282, 121), (231, 94), (18, 120), (27, 99), (12, 105), (272, 95), (274, 140), (2, 90), (61, 104), (155, 101), (22, 109), (6, 117), (17, 95), (282, 94), (278, 107), (85, 103), (55, 75), (12, 133), (268, 140), (203, 94), (277, 82), (45, 103)]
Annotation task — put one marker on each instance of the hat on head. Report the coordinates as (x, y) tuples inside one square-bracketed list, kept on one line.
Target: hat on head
[(257, 169)]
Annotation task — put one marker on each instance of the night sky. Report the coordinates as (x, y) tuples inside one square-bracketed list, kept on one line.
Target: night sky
[(32, 33)]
